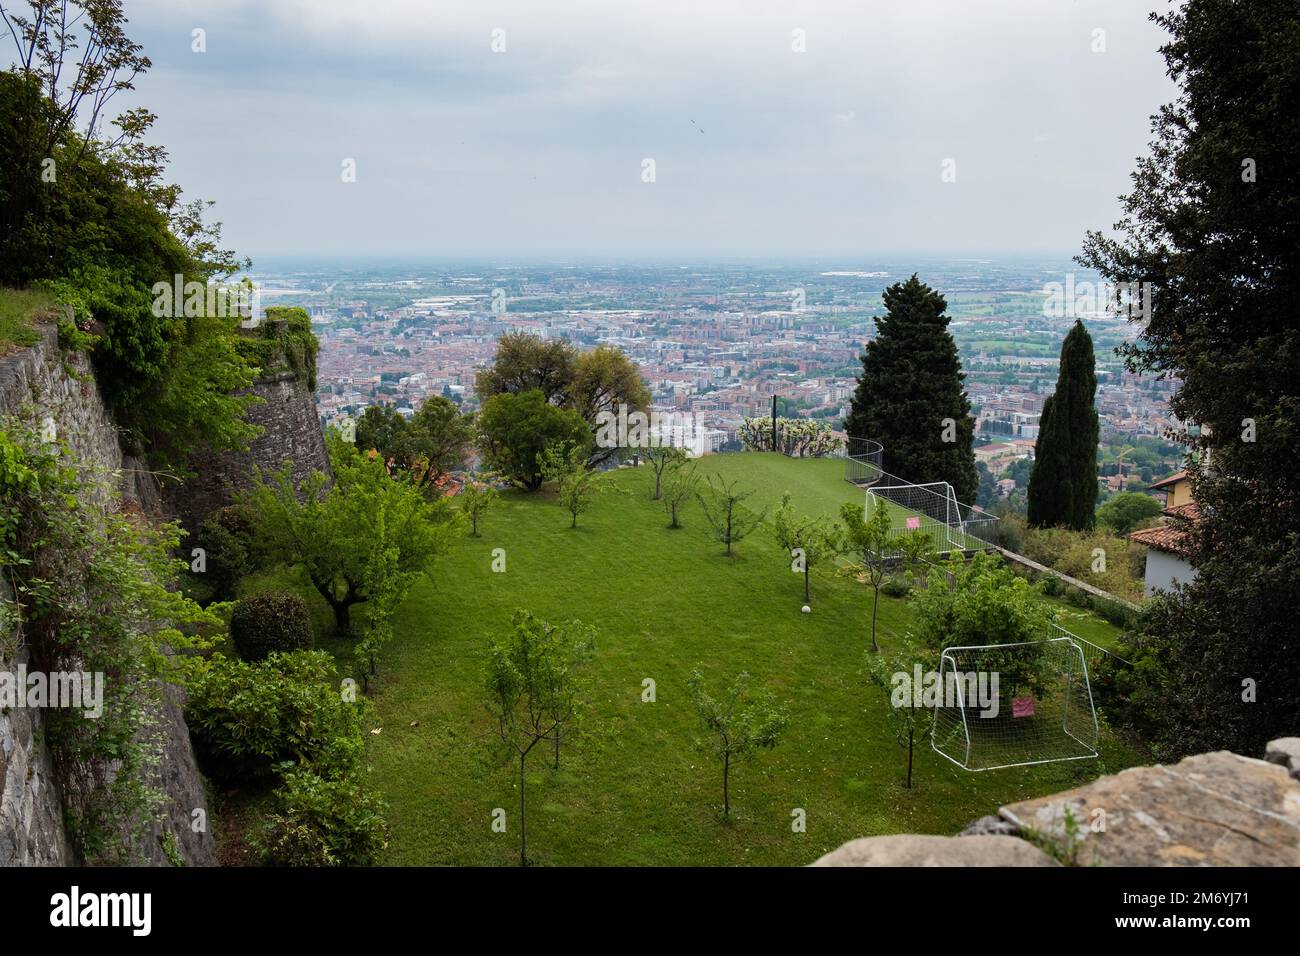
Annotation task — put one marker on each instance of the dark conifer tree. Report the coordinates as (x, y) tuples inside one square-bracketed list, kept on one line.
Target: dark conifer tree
[(1213, 225), (910, 396), (1063, 484)]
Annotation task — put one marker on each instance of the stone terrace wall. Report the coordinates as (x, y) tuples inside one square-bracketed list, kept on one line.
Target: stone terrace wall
[(42, 385), (292, 432)]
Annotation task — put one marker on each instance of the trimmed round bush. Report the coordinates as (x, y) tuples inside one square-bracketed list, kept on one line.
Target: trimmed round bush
[(269, 622)]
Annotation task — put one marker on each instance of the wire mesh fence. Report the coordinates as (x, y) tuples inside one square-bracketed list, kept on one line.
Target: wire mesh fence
[(931, 510), (1010, 705), (863, 461)]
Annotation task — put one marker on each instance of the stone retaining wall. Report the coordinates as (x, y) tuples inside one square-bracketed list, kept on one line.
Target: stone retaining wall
[(50, 389)]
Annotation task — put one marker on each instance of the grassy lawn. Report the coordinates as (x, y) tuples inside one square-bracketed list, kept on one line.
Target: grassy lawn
[(17, 307), (632, 790)]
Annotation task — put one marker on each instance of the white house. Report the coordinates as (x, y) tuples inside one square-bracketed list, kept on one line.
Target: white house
[(1167, 551)]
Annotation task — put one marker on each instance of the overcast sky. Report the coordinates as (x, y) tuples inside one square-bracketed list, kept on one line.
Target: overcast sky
[(758, 149)]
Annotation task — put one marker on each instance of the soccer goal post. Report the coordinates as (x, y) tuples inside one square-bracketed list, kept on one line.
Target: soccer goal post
[(1011, 705), (930, 509)]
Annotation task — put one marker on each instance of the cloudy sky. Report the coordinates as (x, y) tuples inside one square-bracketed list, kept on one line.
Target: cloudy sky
[(759, 149)]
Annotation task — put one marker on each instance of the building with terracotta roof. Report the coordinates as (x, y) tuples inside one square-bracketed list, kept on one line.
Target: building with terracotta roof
[(1168, 551)]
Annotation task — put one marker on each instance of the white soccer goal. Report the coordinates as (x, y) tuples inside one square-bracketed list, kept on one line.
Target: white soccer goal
[(930, 509), (1011, 705)]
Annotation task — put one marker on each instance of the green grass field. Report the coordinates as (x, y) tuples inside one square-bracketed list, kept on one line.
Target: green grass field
[(633, 790), (16, 310)]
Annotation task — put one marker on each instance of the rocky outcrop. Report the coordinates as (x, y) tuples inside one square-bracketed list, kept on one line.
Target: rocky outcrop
[(913, 850), (1286, 752), (1215, 809)]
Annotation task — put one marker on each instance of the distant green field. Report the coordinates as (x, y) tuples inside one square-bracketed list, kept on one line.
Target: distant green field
[(633, 790)]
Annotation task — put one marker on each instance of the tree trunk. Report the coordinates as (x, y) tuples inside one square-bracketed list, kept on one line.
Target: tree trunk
[(806, 598), (523, 824), (726, 795), (341, 607), (875, 605), (575, 520), (557, 748), (910, 732)]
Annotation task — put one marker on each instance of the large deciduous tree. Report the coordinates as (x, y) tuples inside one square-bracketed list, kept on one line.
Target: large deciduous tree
[(433, 442), (596, 384), (1212, 224), (514, 430), (910, 396), (1063, 484), (603, 380), (525, 362)]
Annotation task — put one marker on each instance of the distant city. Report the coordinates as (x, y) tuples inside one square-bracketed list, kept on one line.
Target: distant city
[(717, 342)]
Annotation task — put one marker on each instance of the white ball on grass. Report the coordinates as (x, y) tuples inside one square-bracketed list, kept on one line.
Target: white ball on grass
[(806, 609)]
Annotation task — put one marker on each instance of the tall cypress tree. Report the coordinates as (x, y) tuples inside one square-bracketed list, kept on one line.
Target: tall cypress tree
[(1063, 484), (910, 396)]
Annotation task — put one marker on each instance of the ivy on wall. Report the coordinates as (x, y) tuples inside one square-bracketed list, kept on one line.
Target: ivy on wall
[(94, 594)]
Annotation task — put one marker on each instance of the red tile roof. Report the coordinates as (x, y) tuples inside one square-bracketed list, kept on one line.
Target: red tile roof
[(1171, 480), (1171, 537), (1163, 538)]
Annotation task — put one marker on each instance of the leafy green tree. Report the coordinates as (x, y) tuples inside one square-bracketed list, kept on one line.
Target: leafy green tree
[(433, 442), (104, 229), (363, 536), (870, 542), (514, 430), (1210, 227), (908, 719), (475, 499), (737, 724), (525, 363), (72, 59), (1127, 511), (986, 602), (603, 380), (590, 383), (534, 690), (1020, 470), (910, 396), (724, 507), (381, 428), (683, 485), (438, 440), (1063, 483), (566, 465), (808, 541), (662, 458)]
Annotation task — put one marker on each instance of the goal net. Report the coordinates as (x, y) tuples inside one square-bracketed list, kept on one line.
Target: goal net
[(1010, 705), (931, 510)]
